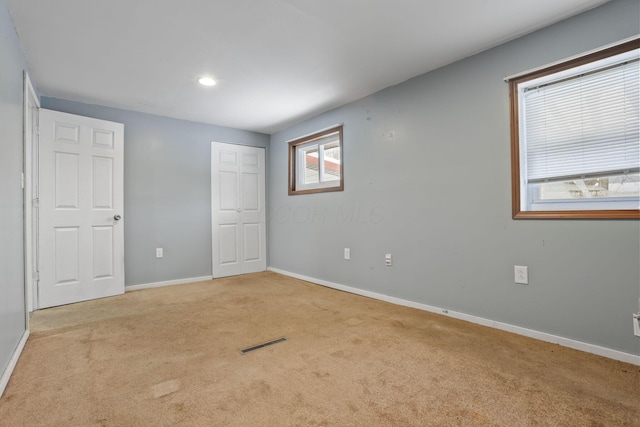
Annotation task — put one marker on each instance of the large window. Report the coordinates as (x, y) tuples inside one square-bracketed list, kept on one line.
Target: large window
[(315, 163), (575, 137)]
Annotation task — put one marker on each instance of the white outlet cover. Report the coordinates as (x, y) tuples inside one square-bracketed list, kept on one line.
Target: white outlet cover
[(521, 274), (159, 253), (347, 253), (636, 324)]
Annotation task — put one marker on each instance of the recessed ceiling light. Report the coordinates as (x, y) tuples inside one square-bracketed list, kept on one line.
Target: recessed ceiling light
[(206, 81)]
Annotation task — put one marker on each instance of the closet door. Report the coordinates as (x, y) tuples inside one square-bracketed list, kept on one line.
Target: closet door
[(238, 209)]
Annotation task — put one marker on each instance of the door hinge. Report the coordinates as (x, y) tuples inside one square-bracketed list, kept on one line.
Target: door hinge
[(36, 276), (36, 202)]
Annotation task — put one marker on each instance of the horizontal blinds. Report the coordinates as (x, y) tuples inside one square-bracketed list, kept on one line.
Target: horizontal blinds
[(584, 126)]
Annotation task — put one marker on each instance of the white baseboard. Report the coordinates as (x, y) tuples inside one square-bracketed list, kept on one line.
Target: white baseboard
[(167, 283), (4, 379), (542, 336)]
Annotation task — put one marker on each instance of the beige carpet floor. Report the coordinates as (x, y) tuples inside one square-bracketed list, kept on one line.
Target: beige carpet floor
[(169, 356)]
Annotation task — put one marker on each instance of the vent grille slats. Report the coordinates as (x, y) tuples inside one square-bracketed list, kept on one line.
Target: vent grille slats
[(263, 345)]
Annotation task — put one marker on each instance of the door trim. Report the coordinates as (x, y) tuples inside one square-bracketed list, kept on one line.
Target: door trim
[(30, 193)]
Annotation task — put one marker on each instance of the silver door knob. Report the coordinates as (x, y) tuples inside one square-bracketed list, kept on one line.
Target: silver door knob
[(117, 217), (238, 210)]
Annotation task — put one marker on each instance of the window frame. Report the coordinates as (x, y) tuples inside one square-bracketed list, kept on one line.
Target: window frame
[(294, 168), (516, 178)]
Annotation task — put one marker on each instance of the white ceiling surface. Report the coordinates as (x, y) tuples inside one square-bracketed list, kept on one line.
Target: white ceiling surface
[(276, 61)]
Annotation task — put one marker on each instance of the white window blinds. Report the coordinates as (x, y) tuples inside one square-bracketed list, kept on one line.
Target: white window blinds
[(583, 126)]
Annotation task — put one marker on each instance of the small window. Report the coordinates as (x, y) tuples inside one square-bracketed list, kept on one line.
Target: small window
[(575, 137), (315, 163)]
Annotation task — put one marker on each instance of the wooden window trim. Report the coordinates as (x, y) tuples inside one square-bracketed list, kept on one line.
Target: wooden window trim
[(292, 162), (517, 213)]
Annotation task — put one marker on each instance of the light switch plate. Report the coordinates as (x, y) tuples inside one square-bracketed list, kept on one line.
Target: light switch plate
[(636, 324), (159, 252), (347, 253)]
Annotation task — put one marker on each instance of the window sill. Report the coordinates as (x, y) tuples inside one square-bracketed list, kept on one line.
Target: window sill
[(316, 190), (592, 214)]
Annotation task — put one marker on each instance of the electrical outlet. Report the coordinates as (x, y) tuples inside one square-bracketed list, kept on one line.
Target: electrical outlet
[(159, 252), (347, 253), (388, 260), (521, 274), (636, 324)]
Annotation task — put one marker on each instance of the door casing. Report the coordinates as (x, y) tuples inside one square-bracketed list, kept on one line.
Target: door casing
[(31, 108)]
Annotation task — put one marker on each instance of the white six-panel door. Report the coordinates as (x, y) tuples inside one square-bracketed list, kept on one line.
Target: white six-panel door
[(238, 209), (81, 206)]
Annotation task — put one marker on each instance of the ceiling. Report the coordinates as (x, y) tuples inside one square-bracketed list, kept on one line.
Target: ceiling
[(276, 62)]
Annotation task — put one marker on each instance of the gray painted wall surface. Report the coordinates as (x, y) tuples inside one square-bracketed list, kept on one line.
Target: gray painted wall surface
[(12, 307), (427, 178), (167, 190)]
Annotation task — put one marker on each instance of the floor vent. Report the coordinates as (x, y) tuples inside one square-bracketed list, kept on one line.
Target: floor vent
[(265, 344)]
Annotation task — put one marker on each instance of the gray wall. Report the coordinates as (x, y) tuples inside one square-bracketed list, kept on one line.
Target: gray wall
[(167, 190), (12, 307), (427, 178)]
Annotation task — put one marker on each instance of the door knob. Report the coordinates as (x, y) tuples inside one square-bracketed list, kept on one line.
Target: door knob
[(238, 210), (117, 217)]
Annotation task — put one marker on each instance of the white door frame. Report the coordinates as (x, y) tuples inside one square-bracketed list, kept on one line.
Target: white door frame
[(30, 169)]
